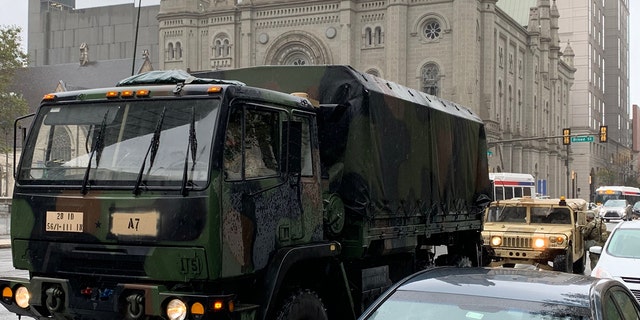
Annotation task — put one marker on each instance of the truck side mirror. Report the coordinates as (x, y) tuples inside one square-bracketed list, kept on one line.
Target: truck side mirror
[(294, 140)]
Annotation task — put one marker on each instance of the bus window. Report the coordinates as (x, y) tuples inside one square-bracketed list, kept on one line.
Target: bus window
[(499, 193), (508, 193), (518, 192)]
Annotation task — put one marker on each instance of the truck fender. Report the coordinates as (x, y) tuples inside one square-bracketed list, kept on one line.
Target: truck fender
[(283, 260)]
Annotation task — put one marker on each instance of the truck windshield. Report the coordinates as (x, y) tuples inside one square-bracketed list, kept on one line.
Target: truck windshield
[(134, 143)]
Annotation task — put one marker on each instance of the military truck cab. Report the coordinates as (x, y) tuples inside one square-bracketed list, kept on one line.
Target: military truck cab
[(542, 232)]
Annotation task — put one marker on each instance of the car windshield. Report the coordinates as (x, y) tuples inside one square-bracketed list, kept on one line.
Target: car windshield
[(119, 143), (615, 203), (624, 243), (410, 305)]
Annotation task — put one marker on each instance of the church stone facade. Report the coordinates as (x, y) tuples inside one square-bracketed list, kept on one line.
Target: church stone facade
[(512, 73)]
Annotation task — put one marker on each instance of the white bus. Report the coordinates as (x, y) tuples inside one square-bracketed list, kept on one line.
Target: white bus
[(507, 185), (604, 193)]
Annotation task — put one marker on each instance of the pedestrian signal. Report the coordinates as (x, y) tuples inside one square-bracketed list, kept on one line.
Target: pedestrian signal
[(566, 136), (603, 133)]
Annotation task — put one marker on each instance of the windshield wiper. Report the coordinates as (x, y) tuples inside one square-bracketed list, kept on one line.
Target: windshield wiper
[(153, 150), (192, 147), (98, 146)]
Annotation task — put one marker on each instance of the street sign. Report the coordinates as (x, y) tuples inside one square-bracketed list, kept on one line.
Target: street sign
[(582, 139)]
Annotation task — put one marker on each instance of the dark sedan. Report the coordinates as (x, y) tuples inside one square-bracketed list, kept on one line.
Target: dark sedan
[(503, 293)]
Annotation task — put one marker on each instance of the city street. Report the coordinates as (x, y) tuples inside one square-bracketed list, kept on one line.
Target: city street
[(7, 270)]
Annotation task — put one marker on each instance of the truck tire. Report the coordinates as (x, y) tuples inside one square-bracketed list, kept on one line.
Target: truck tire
[(578, 266), (564, 262), (302, 305)]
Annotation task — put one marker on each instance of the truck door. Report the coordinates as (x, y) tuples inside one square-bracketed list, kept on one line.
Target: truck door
[(260, 205)]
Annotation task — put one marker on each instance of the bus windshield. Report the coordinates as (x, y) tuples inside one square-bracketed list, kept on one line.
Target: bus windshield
[(631, 194), (148, 142)]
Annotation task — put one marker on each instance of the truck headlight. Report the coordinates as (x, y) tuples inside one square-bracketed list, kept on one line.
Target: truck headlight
[(557, 240), (176, 310), (538, 243), (22, 297), (496, 241)]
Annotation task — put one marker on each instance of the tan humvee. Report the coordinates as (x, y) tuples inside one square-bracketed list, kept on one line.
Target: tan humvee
[(542, 232)]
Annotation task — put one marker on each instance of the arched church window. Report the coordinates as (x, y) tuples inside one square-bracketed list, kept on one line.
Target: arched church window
[(178, 51), (430, 79), (170, 52), (378, 36)]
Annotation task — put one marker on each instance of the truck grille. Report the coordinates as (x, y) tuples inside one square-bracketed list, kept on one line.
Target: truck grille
[(516, 242)]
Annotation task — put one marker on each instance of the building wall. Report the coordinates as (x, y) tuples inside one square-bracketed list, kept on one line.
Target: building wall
[(513, 77), (56, 33), (598, 33)]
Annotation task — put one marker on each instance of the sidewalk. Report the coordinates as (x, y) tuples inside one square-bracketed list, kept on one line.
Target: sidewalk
[(5, 241)]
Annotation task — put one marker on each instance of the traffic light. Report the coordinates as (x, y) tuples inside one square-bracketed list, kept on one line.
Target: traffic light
[(603, 133), (566, 136)]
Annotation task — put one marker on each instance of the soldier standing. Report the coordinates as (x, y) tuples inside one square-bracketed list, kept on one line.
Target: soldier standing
[(594, 234)]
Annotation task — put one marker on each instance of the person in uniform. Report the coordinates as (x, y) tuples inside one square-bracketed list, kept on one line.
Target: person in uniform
[(594, 234)]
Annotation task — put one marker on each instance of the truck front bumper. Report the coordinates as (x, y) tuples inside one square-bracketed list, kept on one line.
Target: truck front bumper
[(58, 298)]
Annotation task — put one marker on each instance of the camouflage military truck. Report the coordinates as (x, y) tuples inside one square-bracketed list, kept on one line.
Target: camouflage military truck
[(171, 196), (543, 232)]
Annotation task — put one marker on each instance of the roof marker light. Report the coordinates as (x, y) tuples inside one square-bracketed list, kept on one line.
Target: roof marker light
[(49, 97), (214, 89), (142, 93), (113, 94), (127, 94)]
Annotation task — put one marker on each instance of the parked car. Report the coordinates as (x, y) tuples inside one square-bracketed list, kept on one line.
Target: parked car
[(615, 209), (635, 210), (503, 293), (620, 256)]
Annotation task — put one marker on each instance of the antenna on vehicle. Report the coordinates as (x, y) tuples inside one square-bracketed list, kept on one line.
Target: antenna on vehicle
[(135, 42)]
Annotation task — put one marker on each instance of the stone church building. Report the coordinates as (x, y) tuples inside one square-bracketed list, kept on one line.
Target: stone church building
[(502, 59)]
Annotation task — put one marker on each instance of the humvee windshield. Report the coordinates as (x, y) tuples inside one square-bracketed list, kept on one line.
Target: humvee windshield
[(146, 142), (539, 215)]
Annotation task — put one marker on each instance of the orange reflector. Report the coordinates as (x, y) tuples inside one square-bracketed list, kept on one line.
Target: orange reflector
[(49, 97), (112, 94), (142, 93), (7, 292), (197, 308), (217, 305), (127, 94), (231, 306), (214, 89)]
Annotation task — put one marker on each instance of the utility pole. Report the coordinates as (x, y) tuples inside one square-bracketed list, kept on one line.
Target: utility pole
[(566, 162)]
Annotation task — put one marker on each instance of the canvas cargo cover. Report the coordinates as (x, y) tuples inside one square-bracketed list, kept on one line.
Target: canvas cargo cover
[(387, 149)]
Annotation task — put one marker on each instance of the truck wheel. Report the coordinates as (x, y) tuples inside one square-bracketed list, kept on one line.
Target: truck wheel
[(578, 266), (563, 262), (302, 305)]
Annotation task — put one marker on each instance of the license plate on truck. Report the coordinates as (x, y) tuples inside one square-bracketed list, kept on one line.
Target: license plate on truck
[(64, 221)]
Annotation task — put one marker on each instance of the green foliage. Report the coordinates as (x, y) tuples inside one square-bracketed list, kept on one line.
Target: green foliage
[(11, 56), (12, 105), (606, 177)]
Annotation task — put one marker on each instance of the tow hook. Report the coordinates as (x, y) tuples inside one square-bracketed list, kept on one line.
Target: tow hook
[(135, 308), (54, 299)]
